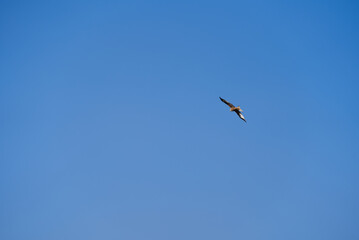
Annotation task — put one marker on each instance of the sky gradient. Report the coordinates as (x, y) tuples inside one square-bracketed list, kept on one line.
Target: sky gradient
[(111, 126)]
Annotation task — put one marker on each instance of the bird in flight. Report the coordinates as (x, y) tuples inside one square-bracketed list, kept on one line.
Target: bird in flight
[(238, 110)]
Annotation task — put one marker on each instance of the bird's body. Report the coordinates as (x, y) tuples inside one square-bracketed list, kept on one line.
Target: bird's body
[(237, 110)]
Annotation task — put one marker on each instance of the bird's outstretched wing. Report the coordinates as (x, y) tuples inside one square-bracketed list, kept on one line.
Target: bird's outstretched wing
[(228, 103), (240, 115)]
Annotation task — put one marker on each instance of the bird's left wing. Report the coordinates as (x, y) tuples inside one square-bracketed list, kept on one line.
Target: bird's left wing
[(228, 103)]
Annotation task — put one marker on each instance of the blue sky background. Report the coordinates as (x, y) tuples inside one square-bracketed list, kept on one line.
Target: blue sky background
[(111, 126)]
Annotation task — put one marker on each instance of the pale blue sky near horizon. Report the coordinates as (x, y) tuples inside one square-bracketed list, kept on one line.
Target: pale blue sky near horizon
[(111, 126)]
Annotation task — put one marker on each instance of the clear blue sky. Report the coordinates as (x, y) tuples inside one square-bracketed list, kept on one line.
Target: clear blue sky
[(111, 126)]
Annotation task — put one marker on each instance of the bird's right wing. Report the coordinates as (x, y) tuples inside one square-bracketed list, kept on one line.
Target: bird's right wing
[(240, 115), (228, 103)]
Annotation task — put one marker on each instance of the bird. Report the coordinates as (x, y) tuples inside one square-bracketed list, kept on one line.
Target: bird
[(238, 109)]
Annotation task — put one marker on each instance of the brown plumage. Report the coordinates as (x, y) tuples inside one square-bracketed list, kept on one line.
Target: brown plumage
[(238, 110)]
